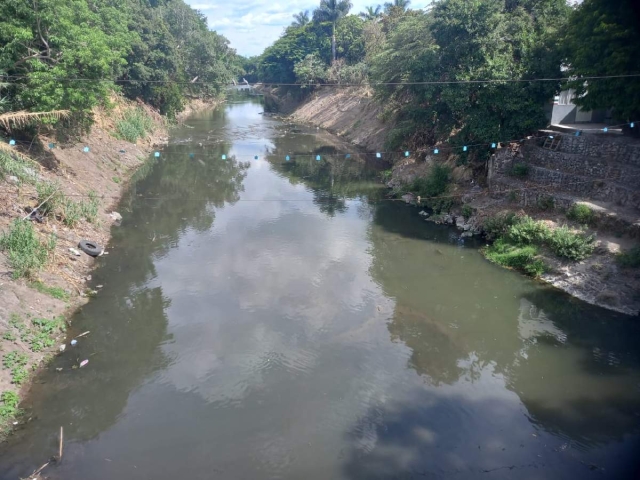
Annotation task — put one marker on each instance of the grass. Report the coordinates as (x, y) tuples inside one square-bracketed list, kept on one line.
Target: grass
[(9, 336), (134, 124), (581, 213), (73, 212), (116, 179), (467, 211), (519, 257), (10, 166), (50, 197), (25, 252), (519, 238), (630, 258), (55, 292)]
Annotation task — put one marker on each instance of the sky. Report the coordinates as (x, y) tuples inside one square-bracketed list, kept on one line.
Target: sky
[(253, 25)]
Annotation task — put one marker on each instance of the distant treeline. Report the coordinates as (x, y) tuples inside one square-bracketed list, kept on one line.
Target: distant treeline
[(461, 40), (71, 54)]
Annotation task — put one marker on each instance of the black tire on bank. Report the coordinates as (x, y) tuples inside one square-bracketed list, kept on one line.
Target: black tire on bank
[(90, 248)]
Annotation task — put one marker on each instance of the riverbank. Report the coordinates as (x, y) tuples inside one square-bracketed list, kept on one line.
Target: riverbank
[(599, 279), (86, 179)]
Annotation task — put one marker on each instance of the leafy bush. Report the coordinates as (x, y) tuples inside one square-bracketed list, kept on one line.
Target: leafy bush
[(50, 198), (546, 203), (467, 211), (134, 124), (13, 359), (630, 258), (311, 70), (521, 258), (26, 253), (520, 170), (42, 334), (580, 213), (341, 73), (526, 231), (574, 246), (434, 184), (495, 227)]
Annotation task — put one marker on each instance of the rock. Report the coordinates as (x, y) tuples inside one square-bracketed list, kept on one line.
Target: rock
[(74, 252), (115, 216), (13, 180), (409, 198), (460, 221), (423, 213), (466, 234)]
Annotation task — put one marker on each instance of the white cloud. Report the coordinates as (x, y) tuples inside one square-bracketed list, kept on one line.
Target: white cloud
[(252, 25)]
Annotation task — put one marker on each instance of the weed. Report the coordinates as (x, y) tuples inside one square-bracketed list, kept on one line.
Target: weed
[(630, 258), (89, 207), (10, 166), (14, 359), (580, 213), (134, 124), (9, 336), (521, 258), (512, 197), (495, 227), (116, 179), (55, 292), (526, 231), (546, 203), (467, 211), (385, 175), (520, 170), (71, 213), (434, 184), (26, 253), (42, 335), (19, 375), (9, 407), (16, 322), (574, 246), (50, 197)]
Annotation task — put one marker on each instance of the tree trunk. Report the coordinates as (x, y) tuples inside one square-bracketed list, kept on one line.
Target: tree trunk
[(333, 43)]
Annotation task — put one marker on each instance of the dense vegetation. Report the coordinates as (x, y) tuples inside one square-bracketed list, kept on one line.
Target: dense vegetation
[(457, 41), (71, 54)]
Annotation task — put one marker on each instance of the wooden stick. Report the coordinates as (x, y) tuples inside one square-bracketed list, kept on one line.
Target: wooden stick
[(37, 472), (61, 438), (83, 334)]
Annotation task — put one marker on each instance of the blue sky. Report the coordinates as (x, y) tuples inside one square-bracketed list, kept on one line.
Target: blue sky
[(252, 25)]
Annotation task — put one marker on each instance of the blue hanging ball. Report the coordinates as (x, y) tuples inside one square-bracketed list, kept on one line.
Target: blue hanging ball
[(632, 125), (406, 154), (436, 151), (464, 149), (52, 146), (86, 149), (318, 157), (578, 133), (348, 155), (224, 157), (157, 154), (12, 142), (191, 155), (287, 158), (605, 129), (378, 155), (493, 145), (256, 157)]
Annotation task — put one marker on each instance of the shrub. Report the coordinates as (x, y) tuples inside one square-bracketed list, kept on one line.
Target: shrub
[(467, 211), (521, 258), (495, 227), (50, 197), (26, 253), (14, 359), (134, 124), (630, 258), (526, 231), (574, 246), (520, 170), (9, 407), (434, 184), (580, 213), (546, 203)]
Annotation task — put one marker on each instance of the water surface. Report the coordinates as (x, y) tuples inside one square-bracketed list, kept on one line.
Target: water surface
[(265, 319)]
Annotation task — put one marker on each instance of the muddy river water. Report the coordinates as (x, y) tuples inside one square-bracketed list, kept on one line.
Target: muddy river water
[(273, 319)]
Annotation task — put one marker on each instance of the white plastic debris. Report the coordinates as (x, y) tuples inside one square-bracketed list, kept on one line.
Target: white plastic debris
[(83, 363), (63, 347), (74, 251), (74, 342)]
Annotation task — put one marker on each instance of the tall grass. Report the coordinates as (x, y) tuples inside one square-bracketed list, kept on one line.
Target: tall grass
[(134, 124), (26, 253)]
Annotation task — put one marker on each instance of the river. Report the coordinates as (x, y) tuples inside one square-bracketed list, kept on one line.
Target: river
[(273, 319)]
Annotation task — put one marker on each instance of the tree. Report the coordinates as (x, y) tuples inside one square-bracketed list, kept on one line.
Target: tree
[(603, 38), (398, 5), (301, 19), (371, 13), (332, 11)]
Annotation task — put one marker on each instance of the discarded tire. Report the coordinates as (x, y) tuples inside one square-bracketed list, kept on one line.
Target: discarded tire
[(90, 248)]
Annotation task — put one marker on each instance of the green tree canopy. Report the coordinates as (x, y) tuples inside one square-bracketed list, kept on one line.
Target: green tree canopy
[(603, 38)]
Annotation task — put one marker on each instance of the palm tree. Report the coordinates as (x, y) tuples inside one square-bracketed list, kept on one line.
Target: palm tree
[(397, 4), (371, 13), (301, 19), (332, 11)]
